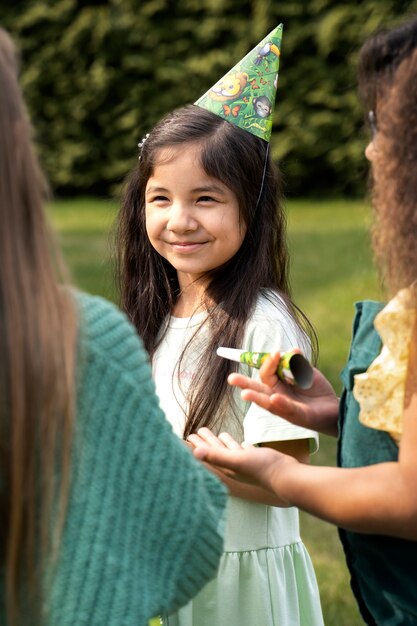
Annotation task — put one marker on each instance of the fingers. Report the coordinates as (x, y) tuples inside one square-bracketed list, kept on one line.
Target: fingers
[(278, 404), (268, 371), (201, 452), (284, 404), (205, 436), (261, 399), (229, 442), (290, 408), (296, 412), (244, 382), (218, 455), (206, 445)]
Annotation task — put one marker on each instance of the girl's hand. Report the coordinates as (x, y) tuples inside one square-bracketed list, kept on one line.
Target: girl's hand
[(315, 408), (245, 462), (204, 438), (192, 442)]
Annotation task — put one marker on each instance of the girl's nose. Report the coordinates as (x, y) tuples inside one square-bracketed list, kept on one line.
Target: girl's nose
[(180, 218)]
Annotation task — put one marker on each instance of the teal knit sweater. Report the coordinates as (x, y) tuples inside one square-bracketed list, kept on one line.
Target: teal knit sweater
[(145, 520)]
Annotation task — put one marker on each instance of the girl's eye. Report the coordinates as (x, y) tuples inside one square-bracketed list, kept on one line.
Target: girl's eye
[(206, 199), (159, 199)]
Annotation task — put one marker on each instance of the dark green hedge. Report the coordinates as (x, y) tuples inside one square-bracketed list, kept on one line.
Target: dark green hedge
[(97, 75)]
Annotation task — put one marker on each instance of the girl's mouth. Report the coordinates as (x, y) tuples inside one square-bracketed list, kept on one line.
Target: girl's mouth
[(187, 246)]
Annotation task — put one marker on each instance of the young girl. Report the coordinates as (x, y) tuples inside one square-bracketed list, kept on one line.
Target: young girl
[(204, 264), (372, 496)]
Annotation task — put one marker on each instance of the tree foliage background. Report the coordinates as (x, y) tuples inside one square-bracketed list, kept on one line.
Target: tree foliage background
[(97, 75)]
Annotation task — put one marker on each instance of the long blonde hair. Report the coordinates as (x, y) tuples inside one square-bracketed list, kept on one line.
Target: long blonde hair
[(37, 353)]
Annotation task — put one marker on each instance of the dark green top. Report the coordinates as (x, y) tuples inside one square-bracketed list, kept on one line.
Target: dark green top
[(383, 569)]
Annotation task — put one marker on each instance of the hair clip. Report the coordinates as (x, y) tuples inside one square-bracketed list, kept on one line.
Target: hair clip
[(372, 123), (142, 141)]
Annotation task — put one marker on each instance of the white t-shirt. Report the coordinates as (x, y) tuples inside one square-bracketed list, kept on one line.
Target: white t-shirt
[(270, 328)]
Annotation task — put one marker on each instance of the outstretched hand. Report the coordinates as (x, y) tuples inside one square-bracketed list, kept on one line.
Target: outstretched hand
[(242, 462), (315, 408)]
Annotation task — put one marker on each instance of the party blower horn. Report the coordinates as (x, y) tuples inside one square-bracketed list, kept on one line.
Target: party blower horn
[(293, 368)]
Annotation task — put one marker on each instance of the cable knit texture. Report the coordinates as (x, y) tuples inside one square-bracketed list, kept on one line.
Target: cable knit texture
[(145, 520)]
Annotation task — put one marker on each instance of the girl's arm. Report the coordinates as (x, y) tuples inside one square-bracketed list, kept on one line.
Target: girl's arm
[(298, 449), (315, 408), (377, 499)]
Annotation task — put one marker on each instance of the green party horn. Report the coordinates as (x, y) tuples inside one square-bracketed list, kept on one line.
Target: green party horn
[(293, 368)]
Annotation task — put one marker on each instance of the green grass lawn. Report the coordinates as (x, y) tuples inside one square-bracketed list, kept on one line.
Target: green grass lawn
[(331, 269)]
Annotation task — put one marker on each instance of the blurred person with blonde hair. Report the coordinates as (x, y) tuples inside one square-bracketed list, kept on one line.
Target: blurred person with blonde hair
[(106, 518)]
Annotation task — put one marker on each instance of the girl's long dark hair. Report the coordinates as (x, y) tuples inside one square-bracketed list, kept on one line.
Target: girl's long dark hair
[(148, 283)]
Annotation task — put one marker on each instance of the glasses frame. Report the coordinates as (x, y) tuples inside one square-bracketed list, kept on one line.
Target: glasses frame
[(372, 121)]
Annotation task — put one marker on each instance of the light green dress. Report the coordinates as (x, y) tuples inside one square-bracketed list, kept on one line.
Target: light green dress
[(265, 577)]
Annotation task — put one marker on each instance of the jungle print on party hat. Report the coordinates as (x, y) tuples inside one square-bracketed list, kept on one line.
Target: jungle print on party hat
[(245, 96)]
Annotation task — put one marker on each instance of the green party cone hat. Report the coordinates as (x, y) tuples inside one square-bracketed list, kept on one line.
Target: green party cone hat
[(245, 96)]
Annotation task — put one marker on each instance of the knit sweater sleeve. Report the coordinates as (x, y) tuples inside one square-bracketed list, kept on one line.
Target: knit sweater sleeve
[(145, 520)]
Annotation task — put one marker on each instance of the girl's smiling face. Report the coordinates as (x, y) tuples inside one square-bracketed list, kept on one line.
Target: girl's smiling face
[(192, 219)]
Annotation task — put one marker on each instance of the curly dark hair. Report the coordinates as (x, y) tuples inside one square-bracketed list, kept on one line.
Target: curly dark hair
[(388, 86)]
